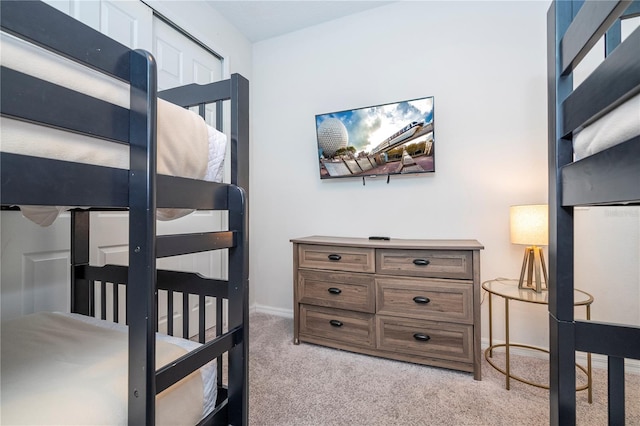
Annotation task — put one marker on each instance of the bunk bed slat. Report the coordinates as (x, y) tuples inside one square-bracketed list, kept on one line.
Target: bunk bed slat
[(615, 80), (192, 283), (201, 318), (174, 245), (36, 100), (53, 182), (591, 22), (43, 25), (170, 374), (170, 312), (56, 182), (178, 281), (608, 339), (116, 304), (177, 192), (608, 177), (103, 300), (185, 318), (196, 94)]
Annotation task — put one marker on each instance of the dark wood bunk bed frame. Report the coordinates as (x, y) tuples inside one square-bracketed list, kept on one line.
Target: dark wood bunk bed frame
[(610, 177), (37, 181)]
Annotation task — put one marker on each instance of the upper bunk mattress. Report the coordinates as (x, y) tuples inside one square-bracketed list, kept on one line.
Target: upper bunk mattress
[(186, 146), (57, 369), (619, 125)]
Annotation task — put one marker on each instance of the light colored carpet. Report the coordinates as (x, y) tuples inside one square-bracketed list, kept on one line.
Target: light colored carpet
[(311, 385)]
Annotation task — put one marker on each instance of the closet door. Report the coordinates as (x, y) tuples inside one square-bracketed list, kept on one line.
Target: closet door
[(182, 61)]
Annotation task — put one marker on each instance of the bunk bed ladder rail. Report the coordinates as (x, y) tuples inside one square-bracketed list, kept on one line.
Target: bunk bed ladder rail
[(573, 28)]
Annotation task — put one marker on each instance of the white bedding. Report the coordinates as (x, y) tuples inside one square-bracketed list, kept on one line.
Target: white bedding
[(187, 146), (52, 362), (617, 126)]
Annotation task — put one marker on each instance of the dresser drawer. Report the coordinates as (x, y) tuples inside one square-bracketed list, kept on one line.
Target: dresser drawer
[(352, 328), (342, 290), (425, 299), (447, 341), (426, 263), (352, 259)]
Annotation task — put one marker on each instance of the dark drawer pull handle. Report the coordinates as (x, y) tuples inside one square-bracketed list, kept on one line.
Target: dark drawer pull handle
[(336, 323), (421, 262), (334, 257), (334, 290), (422, 300), (421, 337)]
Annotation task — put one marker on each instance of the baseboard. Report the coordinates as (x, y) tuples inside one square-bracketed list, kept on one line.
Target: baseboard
[(264, 309), (597, 361)]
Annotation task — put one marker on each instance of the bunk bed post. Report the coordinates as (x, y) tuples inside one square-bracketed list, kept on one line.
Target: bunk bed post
[(240, 132), (561, 327), (239, 255), (238, 313), (81, 291), (141, 292)]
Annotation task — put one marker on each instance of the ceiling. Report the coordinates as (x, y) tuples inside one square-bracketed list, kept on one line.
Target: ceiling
[(260, 20)]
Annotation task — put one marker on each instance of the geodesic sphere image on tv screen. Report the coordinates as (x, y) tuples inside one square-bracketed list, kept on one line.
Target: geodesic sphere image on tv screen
[(386, 139), (332, 135)]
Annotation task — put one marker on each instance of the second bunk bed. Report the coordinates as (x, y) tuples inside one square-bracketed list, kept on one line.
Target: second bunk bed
[(72, 368), (594, 160)]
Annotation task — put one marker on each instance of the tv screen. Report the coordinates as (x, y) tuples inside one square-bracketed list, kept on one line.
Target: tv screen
[(387, 139)]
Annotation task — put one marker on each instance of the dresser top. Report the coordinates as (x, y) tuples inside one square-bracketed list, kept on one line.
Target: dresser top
[(394, 243)]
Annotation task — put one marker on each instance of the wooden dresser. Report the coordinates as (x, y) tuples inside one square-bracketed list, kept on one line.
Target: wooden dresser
[(409, 300)]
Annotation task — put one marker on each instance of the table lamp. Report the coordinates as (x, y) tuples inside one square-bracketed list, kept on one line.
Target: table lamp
[(530, 226)]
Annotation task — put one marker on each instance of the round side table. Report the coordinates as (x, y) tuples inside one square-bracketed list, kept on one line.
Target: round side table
[(508, 290)]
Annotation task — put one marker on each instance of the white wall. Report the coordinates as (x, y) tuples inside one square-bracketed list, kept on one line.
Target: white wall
[(490, 129), (485, 63)]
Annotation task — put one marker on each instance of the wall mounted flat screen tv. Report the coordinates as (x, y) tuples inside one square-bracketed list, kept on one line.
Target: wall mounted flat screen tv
[(389, 139)]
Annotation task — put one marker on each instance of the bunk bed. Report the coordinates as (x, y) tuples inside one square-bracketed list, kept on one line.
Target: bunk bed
[(594, 160), (28, 180)]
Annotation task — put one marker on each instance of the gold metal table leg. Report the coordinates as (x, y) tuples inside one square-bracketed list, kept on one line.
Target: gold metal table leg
[(506, 341), (490, 326), (589, 382)]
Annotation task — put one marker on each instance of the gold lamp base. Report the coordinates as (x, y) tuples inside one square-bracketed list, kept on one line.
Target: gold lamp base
[(535, 269)]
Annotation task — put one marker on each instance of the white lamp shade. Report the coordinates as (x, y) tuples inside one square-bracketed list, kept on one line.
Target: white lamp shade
[(530, 224)]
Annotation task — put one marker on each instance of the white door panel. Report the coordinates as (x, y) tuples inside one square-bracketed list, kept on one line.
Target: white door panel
[(85, 11), (170, 64), (126, 22), (35, 266), (172, 49), (46, 278)]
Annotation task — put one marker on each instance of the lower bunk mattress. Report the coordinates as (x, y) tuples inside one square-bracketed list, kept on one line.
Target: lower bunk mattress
[(68, 369)]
